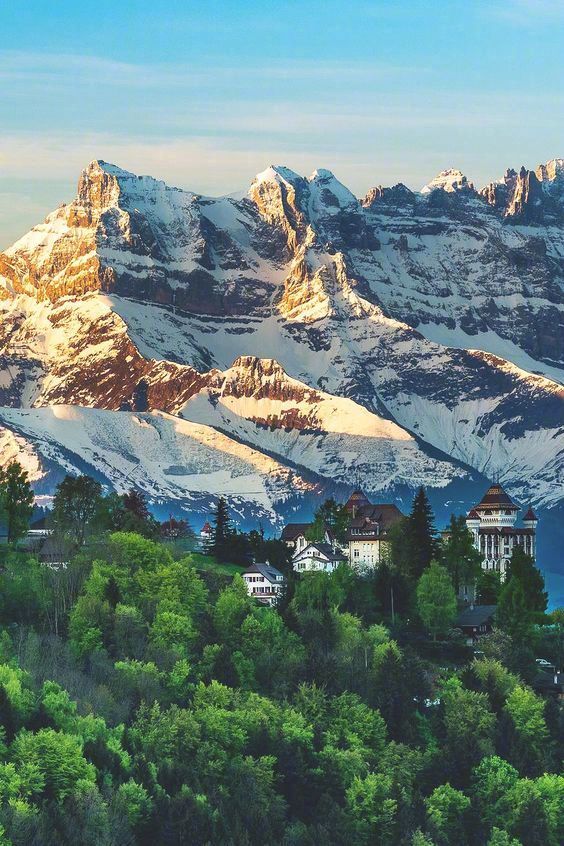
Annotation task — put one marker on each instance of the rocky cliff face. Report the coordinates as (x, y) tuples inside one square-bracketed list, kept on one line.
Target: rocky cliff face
[(404, 339)]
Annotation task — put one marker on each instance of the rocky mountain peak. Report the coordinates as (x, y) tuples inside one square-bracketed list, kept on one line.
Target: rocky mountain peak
[(277, 173), (398, 194), (328, 191), (529, 196), (551, 171), (98, 189), (449, 180)]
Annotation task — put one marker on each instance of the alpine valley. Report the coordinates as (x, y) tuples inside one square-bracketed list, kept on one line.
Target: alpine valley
[(293, 342)]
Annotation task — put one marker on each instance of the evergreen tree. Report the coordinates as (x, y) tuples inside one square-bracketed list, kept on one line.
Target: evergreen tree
[(488, 587), (16, 500), (459, 555), (222, 533), (522, 598), (329, 515), (421, 534), (522, 567)]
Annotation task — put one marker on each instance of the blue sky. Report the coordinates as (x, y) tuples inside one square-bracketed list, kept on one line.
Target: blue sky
[(205, 94)]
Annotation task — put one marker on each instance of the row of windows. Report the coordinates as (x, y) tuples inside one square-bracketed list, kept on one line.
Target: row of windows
[(361, 532)]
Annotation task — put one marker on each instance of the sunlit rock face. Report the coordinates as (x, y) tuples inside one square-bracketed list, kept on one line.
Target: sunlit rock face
[(406, 338)]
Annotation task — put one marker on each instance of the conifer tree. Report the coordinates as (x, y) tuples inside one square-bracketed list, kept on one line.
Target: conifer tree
[(522, 597), (16, 500), (459, 555), (422, 535), (222, 532)]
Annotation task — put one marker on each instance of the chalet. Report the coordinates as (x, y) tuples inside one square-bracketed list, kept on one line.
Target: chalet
[(39, 528), (324, 557), (294, 536), (264, 583), (367, 535), (550, 684), (476, 621), (493, 526)]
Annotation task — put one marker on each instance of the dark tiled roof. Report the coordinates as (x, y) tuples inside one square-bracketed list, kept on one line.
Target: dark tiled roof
[(496, 496), (325, 549), (473, 514), (291, 531), (549, 682), (266, 570), (356, 500), (530, 515), (385, 514), (476, 616)]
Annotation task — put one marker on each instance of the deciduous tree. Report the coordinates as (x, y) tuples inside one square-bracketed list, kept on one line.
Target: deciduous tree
[(436, 599)]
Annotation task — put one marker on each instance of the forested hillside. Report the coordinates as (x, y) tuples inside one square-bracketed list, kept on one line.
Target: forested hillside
[(145, 698)]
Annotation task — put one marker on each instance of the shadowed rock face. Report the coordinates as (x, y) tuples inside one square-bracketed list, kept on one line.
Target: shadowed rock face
[(432, 310)]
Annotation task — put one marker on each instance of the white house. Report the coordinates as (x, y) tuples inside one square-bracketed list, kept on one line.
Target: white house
[(264, 582), (294, 536), (317, 557)]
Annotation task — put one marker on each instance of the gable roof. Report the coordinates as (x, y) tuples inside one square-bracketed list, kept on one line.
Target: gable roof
[(386, 513), (267, 571), (476, 616), (324, 549), (356, 500), (291, 531)]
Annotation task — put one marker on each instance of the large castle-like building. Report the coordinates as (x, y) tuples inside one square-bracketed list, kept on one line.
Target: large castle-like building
[(492, 523)]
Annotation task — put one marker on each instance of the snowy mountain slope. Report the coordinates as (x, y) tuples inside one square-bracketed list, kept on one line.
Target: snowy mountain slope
[(333, 437), (428, 313), (170, 459)]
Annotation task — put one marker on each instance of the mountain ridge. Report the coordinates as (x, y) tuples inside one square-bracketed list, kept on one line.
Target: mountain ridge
[(251, 315)]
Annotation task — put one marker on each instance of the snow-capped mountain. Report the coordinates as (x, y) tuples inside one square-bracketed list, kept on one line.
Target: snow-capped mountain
[(402, 339)]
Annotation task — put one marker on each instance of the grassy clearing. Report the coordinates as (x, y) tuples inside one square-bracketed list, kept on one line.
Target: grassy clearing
[(206, 562)]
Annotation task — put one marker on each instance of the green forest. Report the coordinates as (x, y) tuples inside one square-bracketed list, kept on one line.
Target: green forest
[(145, 698)]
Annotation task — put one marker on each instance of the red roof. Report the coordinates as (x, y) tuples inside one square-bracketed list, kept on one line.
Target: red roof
[(530, 515), (206, 527), (473, 515)]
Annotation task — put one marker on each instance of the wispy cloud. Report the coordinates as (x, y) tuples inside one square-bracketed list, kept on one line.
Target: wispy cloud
[(527, 12), (72, 69)]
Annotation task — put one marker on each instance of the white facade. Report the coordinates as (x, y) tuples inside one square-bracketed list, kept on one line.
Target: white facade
[(264, 583), (492, 524), (317, 558), (365, 553)]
